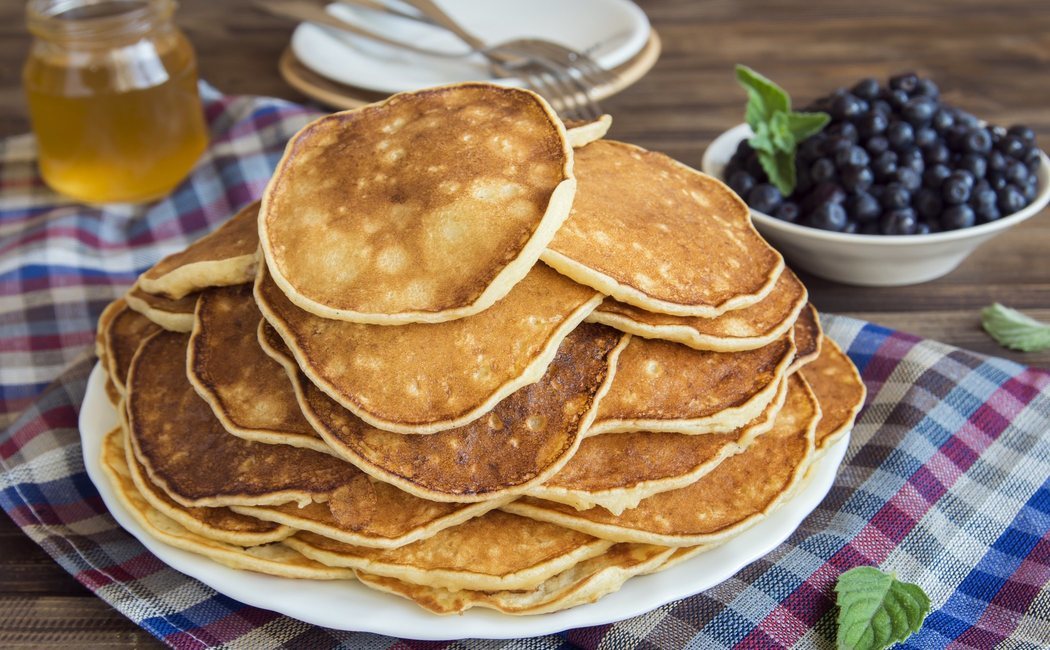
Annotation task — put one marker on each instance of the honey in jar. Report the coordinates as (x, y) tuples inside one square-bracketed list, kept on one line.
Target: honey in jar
[(112, 92)]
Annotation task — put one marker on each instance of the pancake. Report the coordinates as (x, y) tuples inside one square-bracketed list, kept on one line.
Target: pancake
[(430, 377), (385, 214), (663, 386), (808, 337), (187, 452), (581, 133), (617, 470), (653, 233), (173, 315), (224, 257), (741, 491), (493, 552), (740, 329), (219, 524), (104, 321), (252, 397), (274, 559), (526, 439), (123, 331), (584, 583), (841, 392)]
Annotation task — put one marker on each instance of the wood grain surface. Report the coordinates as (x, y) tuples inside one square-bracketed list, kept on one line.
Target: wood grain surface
[(992, 58)]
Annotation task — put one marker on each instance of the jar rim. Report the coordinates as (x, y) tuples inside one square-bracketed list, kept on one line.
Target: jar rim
[(95, 19)]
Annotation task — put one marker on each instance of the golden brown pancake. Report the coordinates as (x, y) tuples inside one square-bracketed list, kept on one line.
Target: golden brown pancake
[(808, 337), (430, 377), (653, 233), (223, 257), (741, 491), (173, 315), (220, 524), (246, 389), (187, 452), (839, 388), (581, 133), (426, 207), (527, 438), (274, 559), (617, 470), (740, 329), (584, 583), (493, 552), (123, 331), (663, 386)]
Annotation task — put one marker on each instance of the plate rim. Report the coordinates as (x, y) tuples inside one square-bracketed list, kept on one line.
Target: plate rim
[(646, 593)]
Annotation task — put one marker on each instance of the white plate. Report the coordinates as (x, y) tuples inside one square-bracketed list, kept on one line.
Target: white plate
[(611, 31), (347, 605)]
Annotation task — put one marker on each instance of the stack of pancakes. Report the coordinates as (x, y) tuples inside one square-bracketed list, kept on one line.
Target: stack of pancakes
[(471, 357)]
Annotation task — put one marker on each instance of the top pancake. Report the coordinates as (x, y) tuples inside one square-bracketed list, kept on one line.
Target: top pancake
[(431, 377), (426, 207), (222, 258), (656, 234), (741, 329)]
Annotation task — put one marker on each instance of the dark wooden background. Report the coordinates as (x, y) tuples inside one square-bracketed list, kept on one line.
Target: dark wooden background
[(992, 58)]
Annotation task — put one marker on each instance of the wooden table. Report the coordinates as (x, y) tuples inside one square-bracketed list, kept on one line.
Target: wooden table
[(992, 58)]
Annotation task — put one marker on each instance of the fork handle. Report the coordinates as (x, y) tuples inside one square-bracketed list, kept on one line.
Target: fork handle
[(430, 9)]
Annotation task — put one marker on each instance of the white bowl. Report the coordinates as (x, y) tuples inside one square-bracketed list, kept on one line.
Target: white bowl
[(871, 260)]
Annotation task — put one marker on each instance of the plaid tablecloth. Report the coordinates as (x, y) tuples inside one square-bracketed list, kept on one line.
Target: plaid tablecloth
[(946, 481)]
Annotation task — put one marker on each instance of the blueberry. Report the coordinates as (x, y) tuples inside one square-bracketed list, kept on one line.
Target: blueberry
[(909, 178), (906, 81), (803, 179), (855, 156), (741, 182), (968, 120), (828, 216), (869, 228), (743, 149), (1011, 199), (897, 99), (1033, 160), (997, 161), (912, 159), (975, 164), (866, 89), (764, 197), (928, 204), (923, 228), (836, 143), (1016, 172), (982, 196), (852, 227), (863, 207), (1030, 191), (895, 196), (900, 134), (822, 170), (820, 194), (942, 121), (919, 110), (1023, 132), (882, 106), (754, 167), (847, 107), (956, 137), (935, 175), (965, 177), (1012, 146), (787, 211), (899, 222), (978, 141), (986, 213), (811, 148), (856, 177), (877, 144), (872, 123), (996, 180), (958, 216), (926, 88), (843, 130), (936, 153), (925, 136), (955, 190), (884, 166)]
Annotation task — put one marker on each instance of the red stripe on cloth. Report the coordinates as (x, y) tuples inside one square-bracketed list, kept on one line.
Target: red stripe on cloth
[(84, 237), (135, 568), (47, 341), (49, 514), (232, 626), (63, 416), (886, 359)]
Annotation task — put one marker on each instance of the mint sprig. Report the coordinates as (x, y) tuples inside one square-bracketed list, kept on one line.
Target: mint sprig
[(1015, 330), (777, 129), (876, 610)]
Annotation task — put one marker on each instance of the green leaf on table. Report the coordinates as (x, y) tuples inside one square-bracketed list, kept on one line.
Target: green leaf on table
[(1015, 330), (764, 97), (780, 168), (804, 125), (876, 610)]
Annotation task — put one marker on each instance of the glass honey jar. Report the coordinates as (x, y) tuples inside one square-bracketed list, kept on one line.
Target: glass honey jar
[(112, 92)]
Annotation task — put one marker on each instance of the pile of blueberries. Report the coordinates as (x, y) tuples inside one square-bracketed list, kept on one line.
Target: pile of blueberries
[(894, 160)]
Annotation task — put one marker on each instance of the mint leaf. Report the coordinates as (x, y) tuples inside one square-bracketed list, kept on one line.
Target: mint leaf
[(1014, 330), (762, 140), (780, 167), (764, 97), (803, 125), (876, 610), (780, 128)]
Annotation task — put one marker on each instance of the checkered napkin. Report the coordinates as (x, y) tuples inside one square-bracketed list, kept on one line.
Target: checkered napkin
[(945, 481)]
